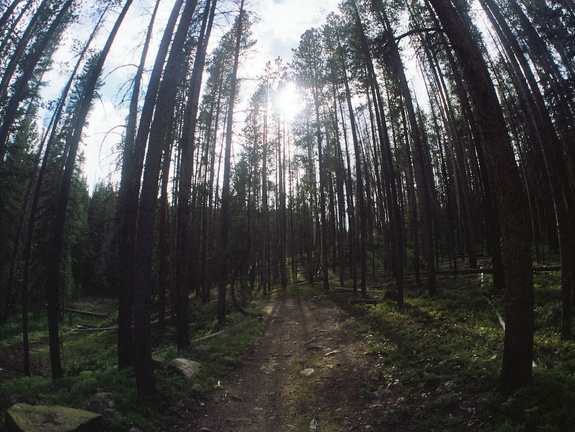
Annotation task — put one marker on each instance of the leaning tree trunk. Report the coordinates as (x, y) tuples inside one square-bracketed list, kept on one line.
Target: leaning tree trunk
[(49, 140), (134, 151), (556, 170), (160, 138), (54, 277), (21, 86), (396, 229), (183, 252), (498, 158)]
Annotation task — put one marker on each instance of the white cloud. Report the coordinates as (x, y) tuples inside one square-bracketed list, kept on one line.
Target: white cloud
[(282, 22), (101, 138), (278, 30)]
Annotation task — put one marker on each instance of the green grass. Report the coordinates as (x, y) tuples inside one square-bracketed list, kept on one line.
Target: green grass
[(439, 362), (89, 361)]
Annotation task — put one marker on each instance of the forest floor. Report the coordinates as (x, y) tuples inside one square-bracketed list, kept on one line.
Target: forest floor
[(307, 374)]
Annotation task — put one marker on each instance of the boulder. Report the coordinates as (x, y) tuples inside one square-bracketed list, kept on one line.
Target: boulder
[(22, 417), (185, 367)]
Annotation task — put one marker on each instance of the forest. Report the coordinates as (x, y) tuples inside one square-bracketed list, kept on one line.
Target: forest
[(405, 142)]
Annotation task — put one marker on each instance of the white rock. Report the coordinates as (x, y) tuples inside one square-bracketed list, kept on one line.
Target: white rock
[(307, 372)]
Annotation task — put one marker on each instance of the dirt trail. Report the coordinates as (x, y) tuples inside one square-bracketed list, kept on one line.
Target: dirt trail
[(271, 392)]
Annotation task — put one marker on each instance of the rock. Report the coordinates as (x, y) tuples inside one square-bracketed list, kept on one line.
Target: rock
[(313, 425), (307, 372), (314, 347), (22, 417), (197, 388), (216, 356), (157, 361), (230, 361), (104, 403), (185, 367), (101, 401)]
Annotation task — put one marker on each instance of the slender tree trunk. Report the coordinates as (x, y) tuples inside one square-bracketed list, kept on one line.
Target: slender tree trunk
[(322, 201), (160, 134), (224, 211), (390, 183), (422, 168), (550, 146), (129, 192), (21, 85), (183, 252), (23, 42), (361, 206), (163, 244), (48, 140), (53, 278), (8, 12), (499, 159)]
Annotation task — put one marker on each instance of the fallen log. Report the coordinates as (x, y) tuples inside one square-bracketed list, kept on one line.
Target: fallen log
[(488, 270), (364, 301), (93, 330), (85, 313)]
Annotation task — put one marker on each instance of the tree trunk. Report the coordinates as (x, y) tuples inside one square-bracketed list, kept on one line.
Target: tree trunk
[(129, 192), (160, 134), (550, 147), (53, 277), (21, 85), (224, 211), (499, 159), (183, 252), (361, 206)]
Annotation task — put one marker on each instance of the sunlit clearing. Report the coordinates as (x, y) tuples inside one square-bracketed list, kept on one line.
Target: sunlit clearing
[(288, 102)]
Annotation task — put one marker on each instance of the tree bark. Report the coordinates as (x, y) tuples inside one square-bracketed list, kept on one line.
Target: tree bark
[(183, 252), (224, 211), (129, 192), (53, 277), (160, 138), (499, 159)]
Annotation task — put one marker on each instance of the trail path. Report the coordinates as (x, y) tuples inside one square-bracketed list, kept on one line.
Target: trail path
[(271, 392)]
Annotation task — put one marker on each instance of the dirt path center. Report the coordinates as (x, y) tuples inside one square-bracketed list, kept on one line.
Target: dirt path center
[(306, 374)]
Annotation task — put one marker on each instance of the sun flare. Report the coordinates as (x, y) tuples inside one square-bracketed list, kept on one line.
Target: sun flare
[(288, 101)]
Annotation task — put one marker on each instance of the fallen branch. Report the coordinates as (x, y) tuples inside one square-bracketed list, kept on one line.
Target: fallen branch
[(499, 317), (203, 338)]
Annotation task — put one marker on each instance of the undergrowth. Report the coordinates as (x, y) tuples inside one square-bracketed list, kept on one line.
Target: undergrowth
[(439, 362), (90, 368)]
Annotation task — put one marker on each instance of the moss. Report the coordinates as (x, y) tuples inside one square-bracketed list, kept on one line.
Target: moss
[(42, 418)]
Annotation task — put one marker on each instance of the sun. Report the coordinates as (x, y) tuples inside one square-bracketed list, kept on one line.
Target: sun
[(288, 101)]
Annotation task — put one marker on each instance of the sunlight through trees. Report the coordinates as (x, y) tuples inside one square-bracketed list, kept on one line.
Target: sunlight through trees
[(398, 141)]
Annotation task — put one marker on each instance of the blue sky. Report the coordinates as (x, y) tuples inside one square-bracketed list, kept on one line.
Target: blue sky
[(277, 31)]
